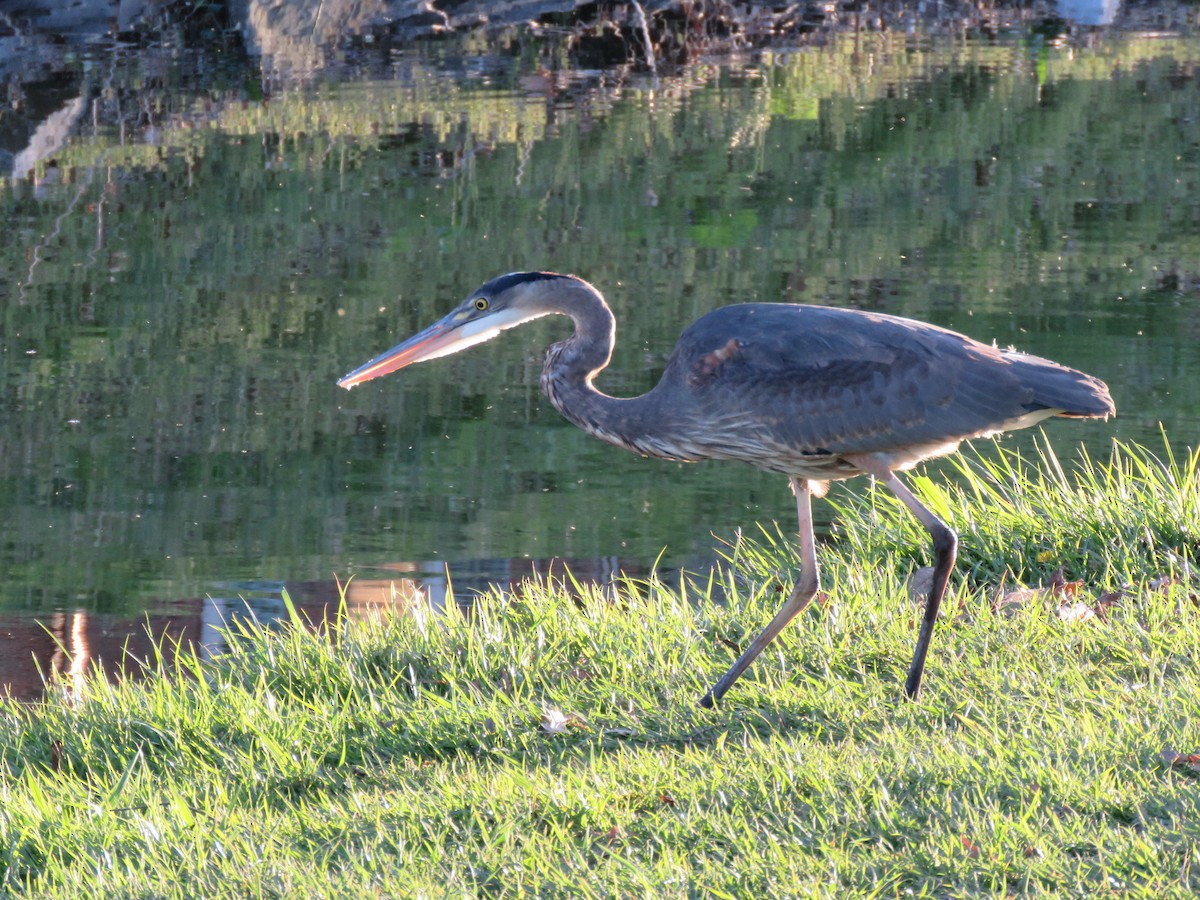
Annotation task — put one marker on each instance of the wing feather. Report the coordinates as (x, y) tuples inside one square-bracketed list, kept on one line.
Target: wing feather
[(818, 380)]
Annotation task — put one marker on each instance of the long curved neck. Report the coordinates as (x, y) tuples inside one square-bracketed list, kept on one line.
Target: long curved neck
[(571, 366), (587, 352)]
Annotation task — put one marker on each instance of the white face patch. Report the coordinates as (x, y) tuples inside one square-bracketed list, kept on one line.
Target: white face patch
[(481, 330)]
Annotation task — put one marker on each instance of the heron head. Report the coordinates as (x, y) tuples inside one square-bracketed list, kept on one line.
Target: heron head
[(501, 303)]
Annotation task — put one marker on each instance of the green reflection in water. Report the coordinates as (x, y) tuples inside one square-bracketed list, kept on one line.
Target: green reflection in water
[(179, 303)]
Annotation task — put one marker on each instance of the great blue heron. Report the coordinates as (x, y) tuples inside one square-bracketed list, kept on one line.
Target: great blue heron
[(813, 393)]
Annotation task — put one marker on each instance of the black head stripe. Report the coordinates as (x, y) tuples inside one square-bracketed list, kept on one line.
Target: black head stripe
[(512, 279)]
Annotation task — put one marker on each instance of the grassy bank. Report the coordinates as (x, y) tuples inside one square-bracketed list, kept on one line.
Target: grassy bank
[(551, 745)]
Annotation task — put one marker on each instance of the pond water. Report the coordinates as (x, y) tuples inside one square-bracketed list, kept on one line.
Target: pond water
[(192, 267)]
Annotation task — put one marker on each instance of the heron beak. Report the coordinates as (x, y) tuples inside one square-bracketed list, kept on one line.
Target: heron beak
[(453, 333), (424, 345)]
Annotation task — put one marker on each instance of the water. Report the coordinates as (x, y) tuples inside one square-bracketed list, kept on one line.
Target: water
[(183, 286)]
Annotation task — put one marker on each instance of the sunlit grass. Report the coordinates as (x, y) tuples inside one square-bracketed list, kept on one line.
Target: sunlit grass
[(1131, 517), (549, 744)]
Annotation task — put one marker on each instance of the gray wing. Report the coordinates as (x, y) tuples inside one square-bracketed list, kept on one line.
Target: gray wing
[(830, 381)]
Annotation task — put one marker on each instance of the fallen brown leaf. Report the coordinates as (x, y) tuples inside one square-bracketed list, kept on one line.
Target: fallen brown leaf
[(1107, 601), (619, 732), (555, 721), (1161, 583), (1065, 597), (1009, 603), (1176, 760), (1060, 586), (1075, 612)]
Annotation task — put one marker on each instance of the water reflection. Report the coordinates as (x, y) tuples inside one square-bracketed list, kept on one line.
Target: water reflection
[(186, 276), (56, 652), (1089, 12)]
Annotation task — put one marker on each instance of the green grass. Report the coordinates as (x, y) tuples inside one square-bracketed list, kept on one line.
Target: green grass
[(551, 746)]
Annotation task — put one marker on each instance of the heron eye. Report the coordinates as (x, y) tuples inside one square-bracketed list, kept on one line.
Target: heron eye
[(481, 303)]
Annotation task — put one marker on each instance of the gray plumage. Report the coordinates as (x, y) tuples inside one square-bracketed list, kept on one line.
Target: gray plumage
[(810, 392), (789, 388)]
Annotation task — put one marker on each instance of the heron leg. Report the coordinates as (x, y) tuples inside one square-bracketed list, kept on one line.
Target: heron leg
[(945, 548), (807, 584)]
